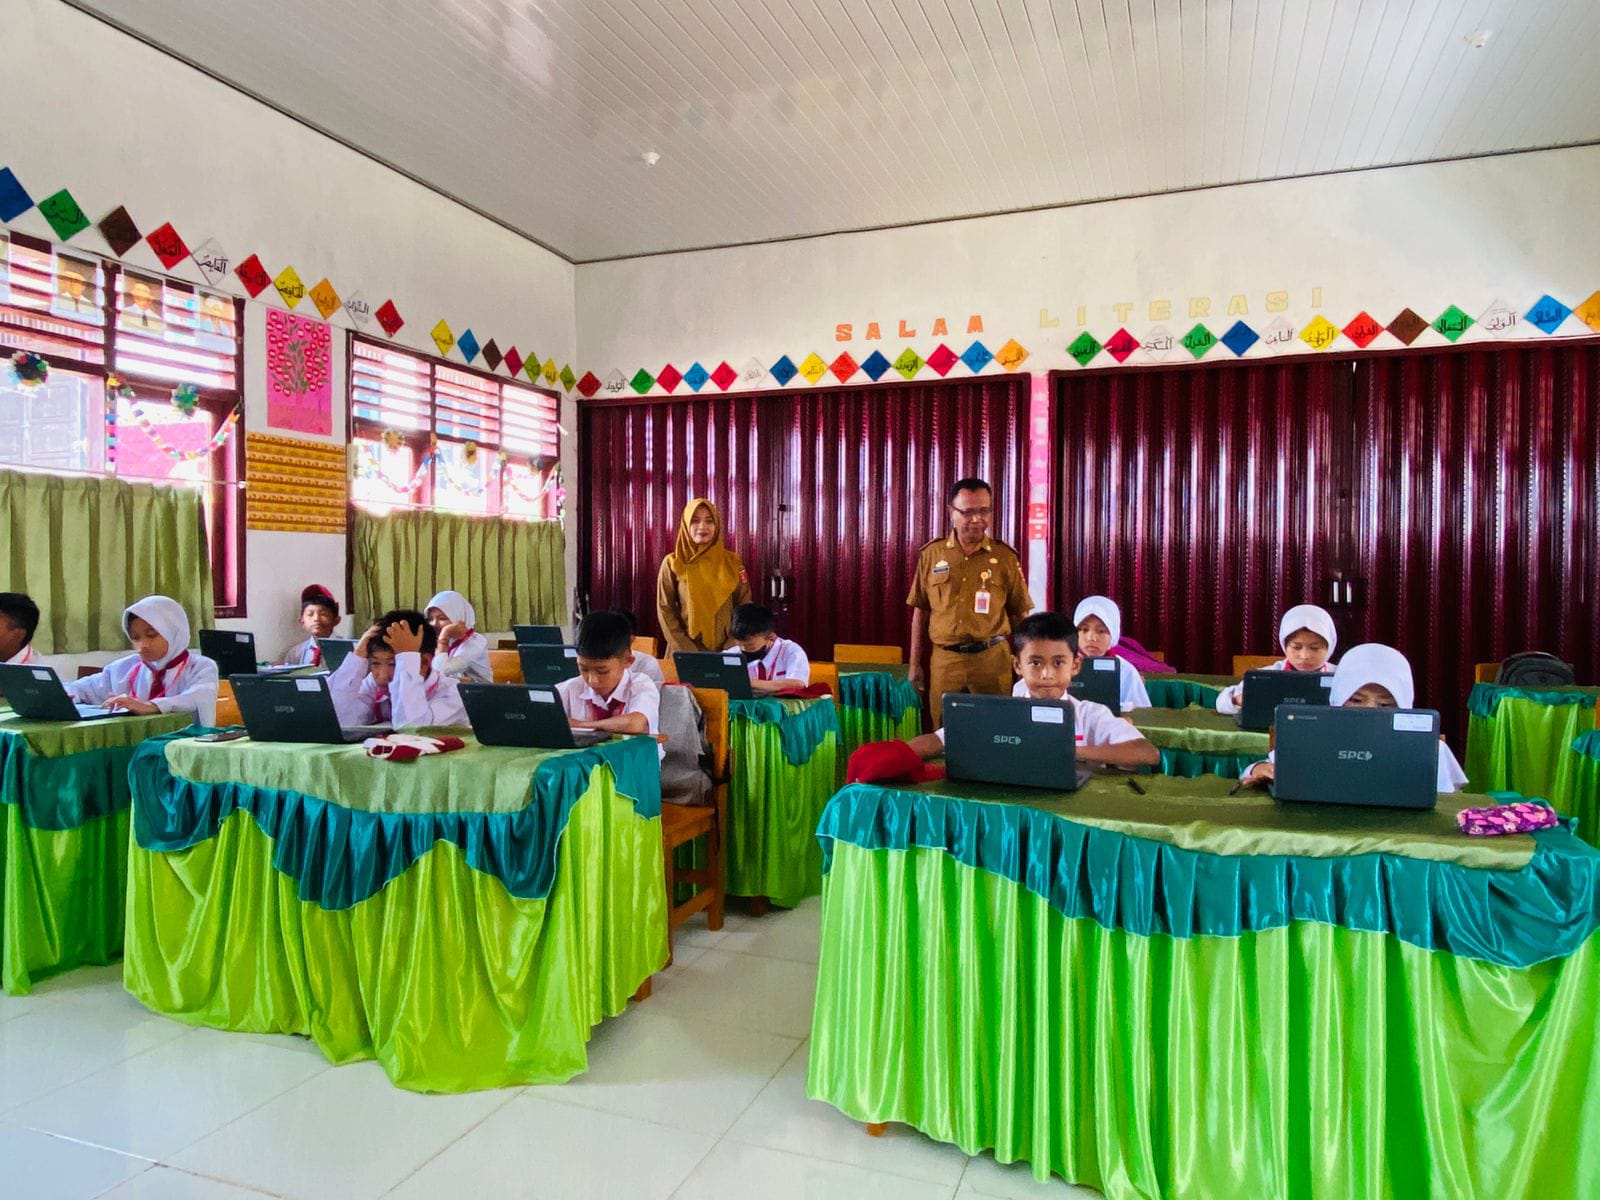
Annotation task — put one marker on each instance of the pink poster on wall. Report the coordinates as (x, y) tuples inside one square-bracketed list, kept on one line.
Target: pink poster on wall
[(299, 374)]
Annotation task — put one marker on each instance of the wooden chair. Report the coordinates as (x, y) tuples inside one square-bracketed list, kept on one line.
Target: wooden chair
[(506, 666), (1159, 655), (683, 823), (856, 652), (647, 645), (227, 706), (85, 672), (669, 671), (1486, 672), (1252, 662), (827, 673)]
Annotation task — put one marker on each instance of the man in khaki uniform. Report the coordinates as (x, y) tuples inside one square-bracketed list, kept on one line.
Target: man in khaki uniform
[(967, 594)]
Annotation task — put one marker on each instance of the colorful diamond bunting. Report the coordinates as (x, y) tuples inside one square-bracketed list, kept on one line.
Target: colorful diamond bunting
[(909, 363), (813, 368), (467, 343), (784, 370), (1011, 355), (1407, 326), (642, 381), (389, 318), (513, 359), (1239, 338), (550, 373), (843, 367), (212, 260), (1499, 319), (442, 337), (942, 359), (167, 246), (14, 198), (567, 377), (614, 382), (669, 378), (64, 215), (492, 355), (1120, 345), (976, 357), (724, 376), (1199, 340), (1362, 329), (1083, 349), (696, 377), (1589, 312), (1279, 335), (588, 385), (1319, 333), (753, 371), (254, 276), (531, 367), (289, 286), (357, 309), (1159, 344), (120, 233), (875, 365), (1548, 313), (325, 298), (1452, 323)]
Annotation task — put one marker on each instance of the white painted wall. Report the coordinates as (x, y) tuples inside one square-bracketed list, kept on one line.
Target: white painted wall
[(117, 122)]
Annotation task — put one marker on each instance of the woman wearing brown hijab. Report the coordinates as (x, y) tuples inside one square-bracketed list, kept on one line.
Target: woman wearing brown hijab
[(700, 584)]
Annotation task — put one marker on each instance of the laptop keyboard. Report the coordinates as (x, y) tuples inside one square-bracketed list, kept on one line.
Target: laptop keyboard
[(90, 711)]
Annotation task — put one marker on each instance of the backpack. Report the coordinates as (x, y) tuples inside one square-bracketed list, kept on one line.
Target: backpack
[(1535, 669)]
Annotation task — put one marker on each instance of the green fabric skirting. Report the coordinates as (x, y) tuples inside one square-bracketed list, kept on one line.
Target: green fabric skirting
[(1583, 775), (1199, 741), (1182, 691), (1485, 698), (1524, 746), (859, 727), (1191, 764), (773, 808), (802, 724), (1307, 1062), (442, 975)]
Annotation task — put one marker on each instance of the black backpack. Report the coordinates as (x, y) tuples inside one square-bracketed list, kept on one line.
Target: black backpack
[(1535, 669)]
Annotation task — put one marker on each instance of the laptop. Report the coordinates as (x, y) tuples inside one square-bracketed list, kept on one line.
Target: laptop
[(1011, 740), (37, 694), (512, 714), (1374, 757), (537, 635), (335, 651), (1100, 680), (1265, 690), (294, 708), (235, 653), (548, 665), (725, 672)]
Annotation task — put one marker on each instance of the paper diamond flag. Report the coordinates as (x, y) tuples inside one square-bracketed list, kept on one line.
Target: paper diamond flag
[(942, 359), (813, 368), (64, 215), (531, 368), (253, 275), (1499, 319), (122, 235), (1239, 338), (325, 298), (389, 317), (977, 357), (754, 369), (168, 246), (1279, 335), (696, 377), (614, 382), (357, 309), (1548, 313), (642, 381), (784, 370), (1084, 347), (1159, 344), (492, 355), (875, 366), (1589, 312), (212, 260), (467, 343), (1198, 340), (567, 377), (443, 338), (1011, 355), (1452, 323), (1407, 326), (669, 378), (1320, 333), (588, 385), (1363, 328), (14, 198), (513, 355), (843, 367), (909, 363), (289, 286), (1121, 345), (724, 376), (550, 373)]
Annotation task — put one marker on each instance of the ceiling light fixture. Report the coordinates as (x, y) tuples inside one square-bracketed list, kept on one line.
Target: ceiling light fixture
[(1479, 38), (650, 158)]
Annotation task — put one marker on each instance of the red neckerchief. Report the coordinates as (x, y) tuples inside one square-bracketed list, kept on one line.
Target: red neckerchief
[(380, 701), (316, 654), (158, 678), (450, 650)]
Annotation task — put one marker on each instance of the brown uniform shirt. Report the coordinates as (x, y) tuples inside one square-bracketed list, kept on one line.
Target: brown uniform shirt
[(946, 584)]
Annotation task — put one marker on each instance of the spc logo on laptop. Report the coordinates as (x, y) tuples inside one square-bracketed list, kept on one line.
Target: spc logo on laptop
[(1356, 755)]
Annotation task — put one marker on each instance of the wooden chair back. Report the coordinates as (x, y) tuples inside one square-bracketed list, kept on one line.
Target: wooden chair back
[(859, 652), (1252, 662), (227, 706), (669, 670), (1159, 655), (1485, 672), (714, 704), (647, 645), (827, 673), (506, 666)]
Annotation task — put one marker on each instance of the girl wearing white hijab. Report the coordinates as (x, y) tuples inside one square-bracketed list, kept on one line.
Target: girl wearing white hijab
[(463, 652), (1374, 676), (1307, 638), (162, 674), (1098, 621)]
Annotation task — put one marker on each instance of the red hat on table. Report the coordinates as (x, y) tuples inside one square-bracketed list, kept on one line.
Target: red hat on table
[(890, 762)]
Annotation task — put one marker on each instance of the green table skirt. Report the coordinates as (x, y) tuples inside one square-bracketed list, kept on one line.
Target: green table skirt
[(774, 804), (1198, 741), (441, 972), (1583, 775), (1181, 691), (1521, 744), (876, 706), (1303, 1062)]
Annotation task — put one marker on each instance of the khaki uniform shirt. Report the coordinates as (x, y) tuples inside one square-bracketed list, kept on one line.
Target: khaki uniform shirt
[(946, 584)]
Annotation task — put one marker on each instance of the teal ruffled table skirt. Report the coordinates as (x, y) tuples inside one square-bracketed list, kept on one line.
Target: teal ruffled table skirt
[(63, 851), (464, 919), (876, 706), (1519, 740), (783, 764), (1182, 691), (1199, 741), (1195, 995)]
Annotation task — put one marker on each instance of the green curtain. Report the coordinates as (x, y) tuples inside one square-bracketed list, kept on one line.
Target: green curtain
[(1305, 1062), (85, 548), (773, 807), (514, 572)]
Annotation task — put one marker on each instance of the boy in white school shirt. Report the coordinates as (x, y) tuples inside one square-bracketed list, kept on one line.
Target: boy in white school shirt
[(1047, 658), (319, 613), (607, 694), (775, 664), (162, 674), (19, 620), (389, 678)]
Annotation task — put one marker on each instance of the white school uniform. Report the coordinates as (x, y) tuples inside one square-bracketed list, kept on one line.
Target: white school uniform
[(783, 660), (306, 654), (1094, 724), (183, 681), (468, 659), (356, 698), (644, 664), (1302, 616), (1133, 694), (634, 694), (25, 657)]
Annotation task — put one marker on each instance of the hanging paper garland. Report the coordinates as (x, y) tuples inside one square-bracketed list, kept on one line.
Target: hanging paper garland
[(185, 398), (118, 387), (31, 369), (215, 443), (368, 467)]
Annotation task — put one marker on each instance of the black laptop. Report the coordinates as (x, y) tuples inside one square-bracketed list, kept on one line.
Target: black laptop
[(513, 714), (335, 651), (537, 635), (548, 665), (294, 708), (1012, 740), (235, 653), (1265, 690), (1374, 757), (1100, 680), (37, 694), (725, 672)]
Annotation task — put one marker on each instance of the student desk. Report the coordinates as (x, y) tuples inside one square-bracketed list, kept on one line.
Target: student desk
[(63, 852), (783, 759), (1518, 739), (876, 704), (465, 919), (1191, 994), (1199, 741), (1182, 691)]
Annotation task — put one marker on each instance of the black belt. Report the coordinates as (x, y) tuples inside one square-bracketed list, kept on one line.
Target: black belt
[(973, 647)]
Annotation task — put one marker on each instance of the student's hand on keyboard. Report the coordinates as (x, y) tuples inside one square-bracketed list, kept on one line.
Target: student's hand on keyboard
[(132, 704), (1262, 772)]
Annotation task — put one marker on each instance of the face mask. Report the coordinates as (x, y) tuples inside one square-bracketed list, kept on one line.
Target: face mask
[(751, 656)]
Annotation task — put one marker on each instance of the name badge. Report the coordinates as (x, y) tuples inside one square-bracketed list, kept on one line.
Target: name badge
[(980, 603)]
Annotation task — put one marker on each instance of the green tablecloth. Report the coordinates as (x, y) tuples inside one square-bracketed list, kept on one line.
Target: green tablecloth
[(1519, 739), (1583, 778), (1199, 741), (63, 853), (464, 919), (1181, 691), (783, 759), (876, 706), (1190, 994)]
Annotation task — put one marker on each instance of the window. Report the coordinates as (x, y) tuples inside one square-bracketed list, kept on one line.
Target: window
[(91, 320), (426, 434)]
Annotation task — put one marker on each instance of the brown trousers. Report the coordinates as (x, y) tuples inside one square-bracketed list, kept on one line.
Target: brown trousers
[(986, 674)]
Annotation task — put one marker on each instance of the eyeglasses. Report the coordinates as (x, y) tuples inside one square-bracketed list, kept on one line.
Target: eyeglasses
[(971, 512)]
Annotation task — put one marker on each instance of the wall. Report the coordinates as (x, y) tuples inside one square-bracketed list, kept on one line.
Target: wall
[(129, 125)]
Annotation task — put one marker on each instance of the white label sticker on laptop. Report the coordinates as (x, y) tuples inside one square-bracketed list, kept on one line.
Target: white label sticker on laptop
[(1327, 681), (1412, 723), (542, 697), (1105, 664), (308, 685), (241, 637), (732, 660), (571, 652), (42, 672), (1049, 716)]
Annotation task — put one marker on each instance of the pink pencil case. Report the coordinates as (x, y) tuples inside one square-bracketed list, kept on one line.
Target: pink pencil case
[(1524, 816)]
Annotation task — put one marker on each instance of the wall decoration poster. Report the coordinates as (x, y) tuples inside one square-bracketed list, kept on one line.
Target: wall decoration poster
[(299, 374), (76, 294), (140, 303)]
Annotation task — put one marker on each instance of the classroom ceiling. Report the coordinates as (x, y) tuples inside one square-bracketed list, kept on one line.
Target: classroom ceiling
[(783, 118)]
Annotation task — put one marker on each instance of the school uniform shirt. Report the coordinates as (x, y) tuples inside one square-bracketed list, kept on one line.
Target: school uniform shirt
[(634, 694), (466, 661), (306, 654), (1094, 724), (783, 660), (644, 664), (184, 681), (1229, 699), (356, 698), (27, 656), (1451, 777), (435, 700)]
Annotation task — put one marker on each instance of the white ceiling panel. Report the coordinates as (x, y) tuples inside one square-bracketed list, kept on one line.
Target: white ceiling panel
[(785, 118)]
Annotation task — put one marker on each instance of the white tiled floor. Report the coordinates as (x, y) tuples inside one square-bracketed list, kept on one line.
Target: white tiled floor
[(697, 1094)]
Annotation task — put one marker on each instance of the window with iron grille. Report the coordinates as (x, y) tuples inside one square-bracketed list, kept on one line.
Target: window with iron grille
[(429, 434), (93, 319)]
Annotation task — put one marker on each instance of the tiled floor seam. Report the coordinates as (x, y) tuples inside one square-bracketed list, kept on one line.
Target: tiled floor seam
[(515, 1094)]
